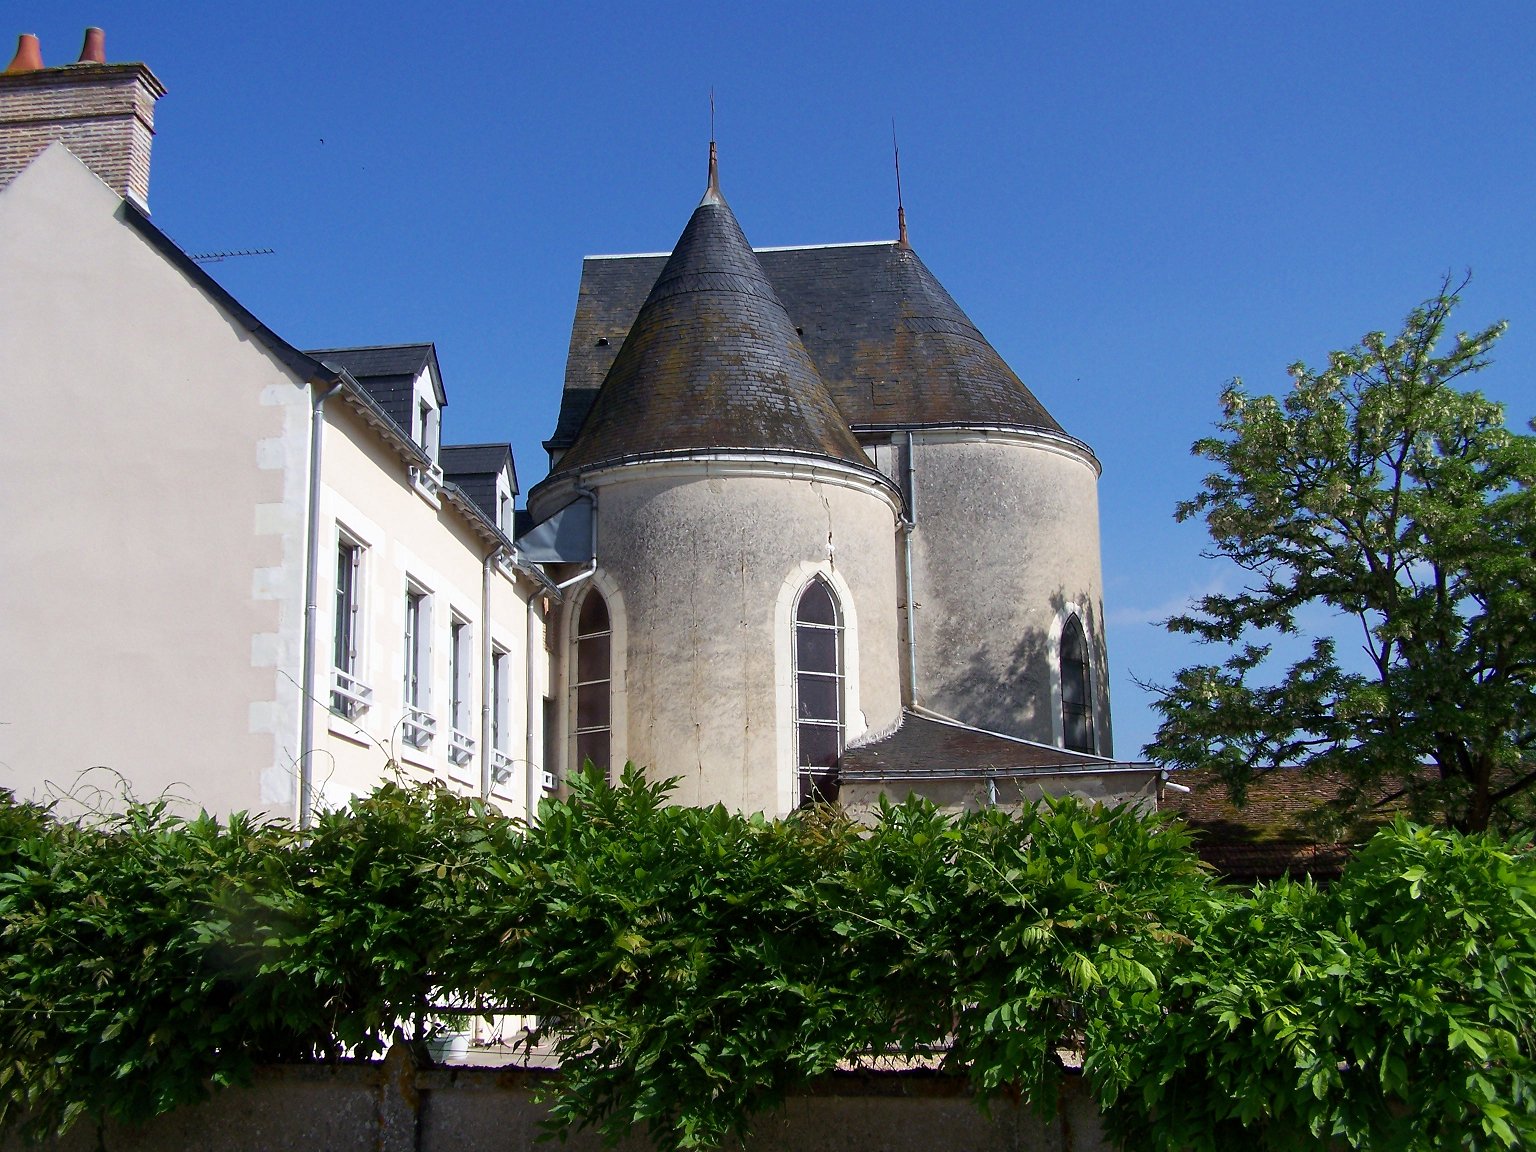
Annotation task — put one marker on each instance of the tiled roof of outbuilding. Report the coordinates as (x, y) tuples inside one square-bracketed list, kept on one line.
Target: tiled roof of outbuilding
[(1274, 832), (939, 748), (890, 343), (712, 361)]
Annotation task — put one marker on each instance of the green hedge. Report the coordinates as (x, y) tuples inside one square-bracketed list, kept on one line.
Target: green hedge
[(694, 966)]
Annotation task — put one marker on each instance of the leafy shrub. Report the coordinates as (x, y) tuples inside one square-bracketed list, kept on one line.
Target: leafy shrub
[(694, 966)]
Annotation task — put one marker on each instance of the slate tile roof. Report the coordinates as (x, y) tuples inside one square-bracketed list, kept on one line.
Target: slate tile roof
[(475, 459), (940, 748), (889, 342), (712, 361), (474, 468), (379, 359), (388, 372)]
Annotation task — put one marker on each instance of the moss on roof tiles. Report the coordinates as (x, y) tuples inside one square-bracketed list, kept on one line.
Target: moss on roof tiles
[(888, 340), (712, 361)]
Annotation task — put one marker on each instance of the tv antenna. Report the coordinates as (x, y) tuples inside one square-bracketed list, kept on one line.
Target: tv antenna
[(217, 257)]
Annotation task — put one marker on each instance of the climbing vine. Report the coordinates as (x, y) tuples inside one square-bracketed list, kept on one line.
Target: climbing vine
[(693, 966)]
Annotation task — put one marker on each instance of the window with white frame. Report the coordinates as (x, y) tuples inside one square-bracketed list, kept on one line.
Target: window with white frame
[(350, 695), (501, 697), (1076, 688), (461, 746), (419, 724), (426, 428), (501, 713), (818, 692), (593, 681)]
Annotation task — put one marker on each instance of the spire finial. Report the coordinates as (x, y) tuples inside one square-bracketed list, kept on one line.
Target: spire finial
[(901, 211), (712, 192)]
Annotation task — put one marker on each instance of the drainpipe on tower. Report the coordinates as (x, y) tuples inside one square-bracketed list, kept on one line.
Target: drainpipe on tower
[(908, 523)]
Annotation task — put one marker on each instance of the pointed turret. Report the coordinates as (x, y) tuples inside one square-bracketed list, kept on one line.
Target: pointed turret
[(712, 361)]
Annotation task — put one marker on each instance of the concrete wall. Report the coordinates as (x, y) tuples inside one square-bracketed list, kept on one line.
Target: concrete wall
[(376, 1108), (152, 556), (701, 563), (1006, 545)]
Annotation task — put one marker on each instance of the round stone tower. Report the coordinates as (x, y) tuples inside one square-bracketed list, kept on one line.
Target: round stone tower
[(1006, 618), (736, 627)]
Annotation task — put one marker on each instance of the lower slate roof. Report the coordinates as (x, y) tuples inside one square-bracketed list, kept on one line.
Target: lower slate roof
[(927, 748)]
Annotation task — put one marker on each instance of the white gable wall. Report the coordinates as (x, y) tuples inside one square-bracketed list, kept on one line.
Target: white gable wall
[(151, 566)]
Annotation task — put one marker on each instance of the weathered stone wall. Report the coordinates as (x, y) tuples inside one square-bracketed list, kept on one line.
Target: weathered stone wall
[(1007, 543), (701, 564), (389, 1108)]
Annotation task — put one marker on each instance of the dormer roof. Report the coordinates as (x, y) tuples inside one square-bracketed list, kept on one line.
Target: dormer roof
[(711, 361), (389, 372)]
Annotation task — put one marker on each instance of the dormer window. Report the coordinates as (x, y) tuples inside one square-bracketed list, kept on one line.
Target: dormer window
[(426, 429)]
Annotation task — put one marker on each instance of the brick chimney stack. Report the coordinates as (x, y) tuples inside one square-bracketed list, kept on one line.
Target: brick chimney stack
[(104, 114)]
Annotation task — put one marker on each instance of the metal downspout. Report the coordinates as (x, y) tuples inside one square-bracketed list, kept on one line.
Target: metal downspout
[(533, 785), (311, 597), (908, 523), (486, 701)]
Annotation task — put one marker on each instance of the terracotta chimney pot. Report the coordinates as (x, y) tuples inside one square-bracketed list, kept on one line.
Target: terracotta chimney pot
[(94, 50), (29, 55)]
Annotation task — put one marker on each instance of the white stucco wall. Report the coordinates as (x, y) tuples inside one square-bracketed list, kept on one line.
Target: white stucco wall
[(1006, 545), (367, 494), (699, 561), (152, 555)]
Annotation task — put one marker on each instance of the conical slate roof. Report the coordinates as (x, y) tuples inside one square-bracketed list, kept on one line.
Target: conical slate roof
[(890, 343), (938, 368), (712, 361)]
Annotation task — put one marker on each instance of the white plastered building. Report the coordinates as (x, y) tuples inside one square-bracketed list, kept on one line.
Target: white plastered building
[(232, 572)]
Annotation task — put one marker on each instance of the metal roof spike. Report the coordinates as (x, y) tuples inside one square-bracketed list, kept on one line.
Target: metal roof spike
[(29, 55), (712, 190), (901, 211)]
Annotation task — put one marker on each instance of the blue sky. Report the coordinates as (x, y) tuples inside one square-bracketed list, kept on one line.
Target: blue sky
[(1134, 202)]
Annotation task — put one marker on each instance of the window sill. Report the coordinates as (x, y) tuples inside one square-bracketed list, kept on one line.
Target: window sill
[(348, 731), (428, 483)]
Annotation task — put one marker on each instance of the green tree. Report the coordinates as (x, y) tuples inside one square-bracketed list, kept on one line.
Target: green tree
[(1379, 490)]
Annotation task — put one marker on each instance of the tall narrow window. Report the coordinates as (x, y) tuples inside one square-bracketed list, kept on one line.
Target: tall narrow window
[(419, 723), (818, 692), (425, 439), (461, 745), (349, 695), (501, 698), (594, 653), (1076, 689)]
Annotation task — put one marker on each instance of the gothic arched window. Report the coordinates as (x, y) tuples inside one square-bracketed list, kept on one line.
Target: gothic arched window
[(593, 681), (1076, 689), (818, 692)]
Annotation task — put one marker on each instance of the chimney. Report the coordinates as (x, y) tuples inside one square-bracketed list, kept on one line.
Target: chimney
[(104, 114)]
